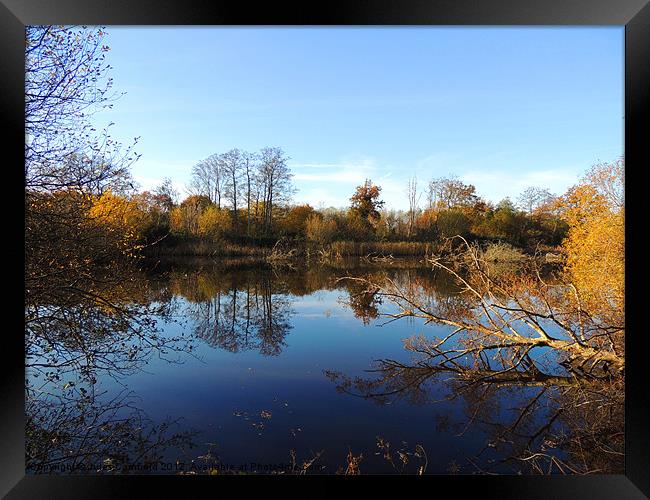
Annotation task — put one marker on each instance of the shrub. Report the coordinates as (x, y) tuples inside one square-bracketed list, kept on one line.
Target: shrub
[(214, 222), (320, 231), (452, 223), (502, 252)]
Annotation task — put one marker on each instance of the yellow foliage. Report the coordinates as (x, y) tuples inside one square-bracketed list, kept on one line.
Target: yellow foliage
[(319, 230), (120, 217), (426, 221), (214, 222), (296, 219), (176, 223), (595, 245)]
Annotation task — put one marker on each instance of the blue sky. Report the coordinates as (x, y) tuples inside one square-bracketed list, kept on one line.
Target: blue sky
[(501, 108)]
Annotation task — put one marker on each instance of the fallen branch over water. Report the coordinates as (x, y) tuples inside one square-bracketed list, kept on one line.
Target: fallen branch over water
[(510, 316)]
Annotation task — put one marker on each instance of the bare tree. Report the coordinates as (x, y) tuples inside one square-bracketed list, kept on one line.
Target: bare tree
[(262, 179), (166, 195), (249, 160), (513, 315), (275, 181), (84, 311), (232, 165), (201, 183), (208, 179), (533, 197), (414, 199), (554, 423), (66, 82), (214, 167), (518, 335)]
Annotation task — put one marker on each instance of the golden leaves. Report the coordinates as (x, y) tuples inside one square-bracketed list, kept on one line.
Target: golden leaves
[(595, 245)]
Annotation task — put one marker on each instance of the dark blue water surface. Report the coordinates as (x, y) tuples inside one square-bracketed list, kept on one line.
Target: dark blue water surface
[(271, 349)]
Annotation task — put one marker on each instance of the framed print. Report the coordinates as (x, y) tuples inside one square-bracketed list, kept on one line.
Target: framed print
[(375, 240)]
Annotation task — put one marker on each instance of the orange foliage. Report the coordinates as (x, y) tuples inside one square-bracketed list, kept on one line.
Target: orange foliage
[(122, 218), (213, 222), (595, 245), (319, 230), (296, 219), (426, 221)]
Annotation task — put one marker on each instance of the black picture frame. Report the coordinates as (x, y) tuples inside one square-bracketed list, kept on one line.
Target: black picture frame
[(633, 14)]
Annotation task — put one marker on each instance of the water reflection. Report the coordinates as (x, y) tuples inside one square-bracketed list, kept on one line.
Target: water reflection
[(247, 305), (537, 419), (79, 335), (248, 315), (81, 431), (545, 404), (532, 423)]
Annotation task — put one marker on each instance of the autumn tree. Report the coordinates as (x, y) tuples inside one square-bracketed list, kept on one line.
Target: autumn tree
[(66, 82), (294, 222), (450, 192), (426, 223), (274, 179), (123, 219), (366, 203), (165, 195), (320, 230), (185, 217), (68, 163), (452, 223), (258, 181), (501, 222), (388, 225), (534, 197), (213, 222), (83, 310), (595, 245), (412, 194)]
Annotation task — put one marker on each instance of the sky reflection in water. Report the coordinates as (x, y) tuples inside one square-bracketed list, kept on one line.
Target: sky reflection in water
[(256, 385)]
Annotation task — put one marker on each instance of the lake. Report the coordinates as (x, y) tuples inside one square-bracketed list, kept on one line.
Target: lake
[(276, 369)]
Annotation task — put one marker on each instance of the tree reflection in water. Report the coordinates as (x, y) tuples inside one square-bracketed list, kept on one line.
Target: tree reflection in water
[(240, 305), (107, 327), (539, 417), (236, 309), (533, 423), (77, 334), (556, 409), (82, 431)]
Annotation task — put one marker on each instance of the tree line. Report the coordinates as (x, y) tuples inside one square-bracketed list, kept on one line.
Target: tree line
[(245, 198), (246, 182)]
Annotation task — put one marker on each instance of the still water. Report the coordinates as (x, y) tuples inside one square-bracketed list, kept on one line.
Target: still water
[(279, 364)]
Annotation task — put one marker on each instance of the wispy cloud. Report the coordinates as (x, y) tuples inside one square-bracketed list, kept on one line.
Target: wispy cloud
[(498, 184), (494, 175), (150, 183), (336, 183), (345, 172), (321, 198), (332, 184)]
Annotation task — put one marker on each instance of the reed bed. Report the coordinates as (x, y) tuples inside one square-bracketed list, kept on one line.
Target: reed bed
[(382, 248), (205, 248)]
